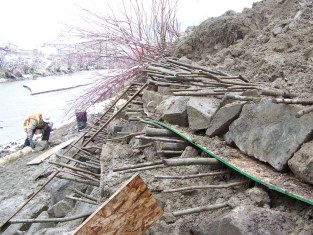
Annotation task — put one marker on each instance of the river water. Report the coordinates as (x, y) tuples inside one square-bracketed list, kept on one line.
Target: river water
[(16, 102)]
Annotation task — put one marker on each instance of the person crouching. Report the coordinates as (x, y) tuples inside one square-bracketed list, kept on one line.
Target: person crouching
[(34, 122)]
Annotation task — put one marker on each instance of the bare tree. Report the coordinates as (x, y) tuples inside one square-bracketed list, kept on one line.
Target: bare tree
[(127, 35)]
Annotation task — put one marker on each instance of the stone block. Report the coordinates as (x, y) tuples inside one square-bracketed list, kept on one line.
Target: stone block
[(270, 132), (200, 110), (301, 164), (221, 120), (174, 110)]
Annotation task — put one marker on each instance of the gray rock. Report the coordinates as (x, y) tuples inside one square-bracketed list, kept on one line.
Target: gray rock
[(174, 110), (221, 120), (301, 164), (249, 220), (60, 209), (277, 30), (258, 196), (189, 152), (151, 99), (200, 110), (270, 132), (164, 90), (58, 189)]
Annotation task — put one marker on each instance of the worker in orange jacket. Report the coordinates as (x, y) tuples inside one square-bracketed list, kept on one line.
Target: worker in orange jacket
[(34, 122)]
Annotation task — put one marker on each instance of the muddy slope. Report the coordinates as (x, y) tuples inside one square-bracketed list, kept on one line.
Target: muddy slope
[(270, 42)]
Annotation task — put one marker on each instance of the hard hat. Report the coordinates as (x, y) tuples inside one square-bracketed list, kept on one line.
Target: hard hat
[(45, 117)]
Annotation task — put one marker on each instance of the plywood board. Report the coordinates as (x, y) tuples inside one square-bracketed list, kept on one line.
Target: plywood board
[(49, 152), (131, 210)]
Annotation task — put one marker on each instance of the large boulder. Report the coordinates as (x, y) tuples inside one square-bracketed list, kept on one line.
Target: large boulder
[(200, 110), (174, 110), (249, 220), (151, 99), (270, 132), (301, 164), (221, 120)]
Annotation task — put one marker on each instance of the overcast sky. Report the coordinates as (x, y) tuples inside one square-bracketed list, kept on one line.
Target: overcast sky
[(29, 23)]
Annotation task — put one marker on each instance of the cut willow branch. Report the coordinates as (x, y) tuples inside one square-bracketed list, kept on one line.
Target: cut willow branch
[(242, 98), (206, 187), (53, 220), (144, 168), (160, 139), (183, 177), (293, 101), (191, 161), (304, 111), (88, 182), (138, 166), (84, 195), (125, 136), (81, 200), (75, 169), (200, 209)]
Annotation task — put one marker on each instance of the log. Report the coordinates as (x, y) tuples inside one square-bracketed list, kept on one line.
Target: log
[(183, 177), (304, 111), (190, 161), (138, 166), (292, 101), (149, 131), (160, 139), (53, 220), (205, 187), (170, 146), (200, 209)]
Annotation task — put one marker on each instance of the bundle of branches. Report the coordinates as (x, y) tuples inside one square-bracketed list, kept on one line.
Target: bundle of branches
[(127, 33)]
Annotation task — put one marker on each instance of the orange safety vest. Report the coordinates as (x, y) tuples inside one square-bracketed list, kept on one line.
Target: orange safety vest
[(36, 116)]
